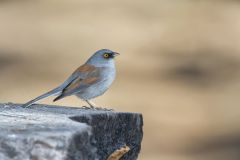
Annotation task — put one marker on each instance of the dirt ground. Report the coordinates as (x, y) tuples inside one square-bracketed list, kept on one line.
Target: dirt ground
[(179, 65)]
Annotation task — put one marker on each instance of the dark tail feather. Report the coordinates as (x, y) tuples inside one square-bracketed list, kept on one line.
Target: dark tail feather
[(58, 98), (50, 93)]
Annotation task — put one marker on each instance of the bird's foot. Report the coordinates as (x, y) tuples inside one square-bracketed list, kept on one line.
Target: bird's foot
[(97, 108), (94, 107), (86, 107)]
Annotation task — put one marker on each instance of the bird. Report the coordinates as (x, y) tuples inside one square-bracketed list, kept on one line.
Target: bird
[(90, 80)]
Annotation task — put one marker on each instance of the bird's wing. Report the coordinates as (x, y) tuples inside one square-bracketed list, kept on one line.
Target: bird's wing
[(84, 76)]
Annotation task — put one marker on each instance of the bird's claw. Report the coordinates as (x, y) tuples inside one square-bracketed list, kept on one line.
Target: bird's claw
[(97, 108)]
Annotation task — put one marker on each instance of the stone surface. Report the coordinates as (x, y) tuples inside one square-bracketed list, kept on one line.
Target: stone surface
[(43, 132)]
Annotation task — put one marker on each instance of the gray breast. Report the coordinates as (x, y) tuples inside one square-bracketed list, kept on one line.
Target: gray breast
[(107, 77)]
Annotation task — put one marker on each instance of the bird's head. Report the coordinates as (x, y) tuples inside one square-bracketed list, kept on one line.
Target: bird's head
[(102, 57)]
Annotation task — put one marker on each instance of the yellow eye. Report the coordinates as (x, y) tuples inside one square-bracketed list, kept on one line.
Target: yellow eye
[(106, 55)]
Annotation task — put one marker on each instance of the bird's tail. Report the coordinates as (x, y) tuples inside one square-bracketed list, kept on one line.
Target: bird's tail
[(50, 93)]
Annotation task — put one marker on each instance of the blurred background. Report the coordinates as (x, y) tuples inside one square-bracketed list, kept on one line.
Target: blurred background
[(179, 65)]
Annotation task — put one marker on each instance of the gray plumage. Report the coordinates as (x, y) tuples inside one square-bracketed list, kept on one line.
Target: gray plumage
[(90, 80)]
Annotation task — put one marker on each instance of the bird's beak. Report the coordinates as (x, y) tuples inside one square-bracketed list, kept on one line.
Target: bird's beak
[(116, 54)]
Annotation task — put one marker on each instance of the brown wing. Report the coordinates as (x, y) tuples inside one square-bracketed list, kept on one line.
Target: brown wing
[(86, 76), (86, 68)]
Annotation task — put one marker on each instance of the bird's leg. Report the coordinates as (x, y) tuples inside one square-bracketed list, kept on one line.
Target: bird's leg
[(94, 106), (91, 104)]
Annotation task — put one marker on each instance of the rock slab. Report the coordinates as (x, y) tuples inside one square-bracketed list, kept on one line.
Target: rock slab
[(43, 132)]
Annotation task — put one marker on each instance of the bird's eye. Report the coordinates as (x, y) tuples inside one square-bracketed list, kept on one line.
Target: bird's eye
[(106, 55)]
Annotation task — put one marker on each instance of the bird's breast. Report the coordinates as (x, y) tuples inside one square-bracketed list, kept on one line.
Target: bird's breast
[(106, 78)]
